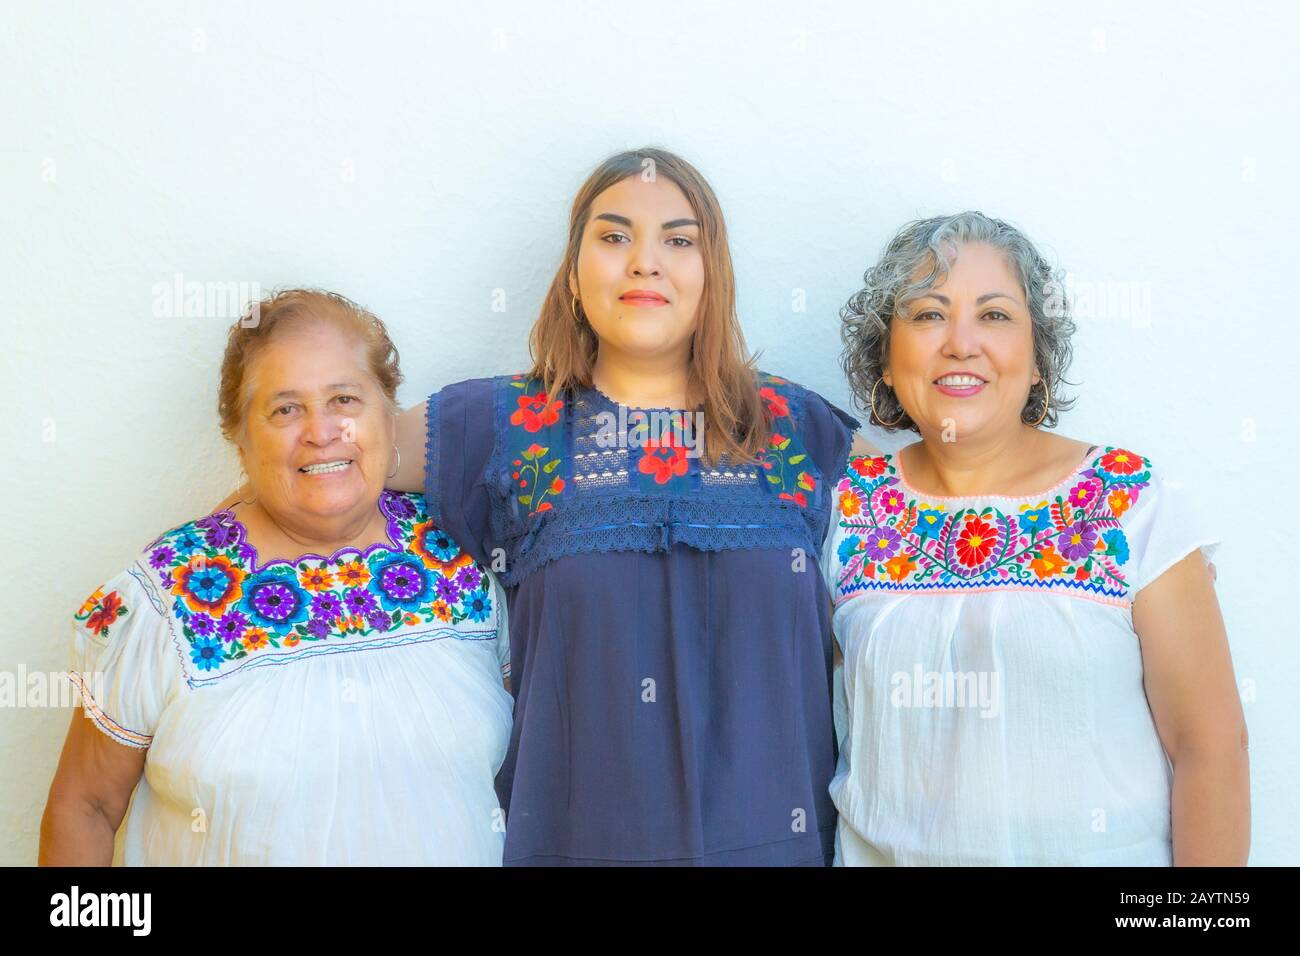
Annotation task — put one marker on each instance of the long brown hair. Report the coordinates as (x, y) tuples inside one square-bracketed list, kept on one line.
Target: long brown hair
[(722, 376)]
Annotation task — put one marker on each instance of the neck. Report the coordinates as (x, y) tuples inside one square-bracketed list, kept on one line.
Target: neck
[(641, 382), (971, 467), (279, 533)]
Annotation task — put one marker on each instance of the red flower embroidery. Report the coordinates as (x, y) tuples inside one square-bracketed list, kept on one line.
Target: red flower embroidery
[(535, 412), (777, 405), (1119, 461), (105, 614), (868, 467), (664, 468), (975, 543)]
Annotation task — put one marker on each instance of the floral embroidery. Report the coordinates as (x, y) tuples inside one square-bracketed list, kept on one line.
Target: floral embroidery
[(784, 451), (535, 411), (530, 469), (672, 462), (533, 465), (100, 610), (537, 443), (1075, 541), (228, 610)]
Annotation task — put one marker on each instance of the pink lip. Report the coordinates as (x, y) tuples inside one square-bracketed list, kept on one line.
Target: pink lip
[(964, 391), (642, 297)]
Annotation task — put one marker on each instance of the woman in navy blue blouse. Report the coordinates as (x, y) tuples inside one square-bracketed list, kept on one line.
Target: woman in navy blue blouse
[(655, 508)]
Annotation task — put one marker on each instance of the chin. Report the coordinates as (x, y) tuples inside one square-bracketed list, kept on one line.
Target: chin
[(328, 502)]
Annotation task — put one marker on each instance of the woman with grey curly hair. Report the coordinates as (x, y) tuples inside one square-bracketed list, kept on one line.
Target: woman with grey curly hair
[(1036, 671)]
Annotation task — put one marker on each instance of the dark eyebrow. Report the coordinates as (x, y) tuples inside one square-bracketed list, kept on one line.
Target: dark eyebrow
[(624, 221)]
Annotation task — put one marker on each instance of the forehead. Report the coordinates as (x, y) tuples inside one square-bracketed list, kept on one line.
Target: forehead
[(307, 357), (659, 200), (979, 264)]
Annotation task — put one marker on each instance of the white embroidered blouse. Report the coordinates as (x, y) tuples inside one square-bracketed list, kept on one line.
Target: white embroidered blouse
[(332, 710), (992, 707)]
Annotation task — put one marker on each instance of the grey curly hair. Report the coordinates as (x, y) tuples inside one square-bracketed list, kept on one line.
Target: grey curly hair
[(917, 259)]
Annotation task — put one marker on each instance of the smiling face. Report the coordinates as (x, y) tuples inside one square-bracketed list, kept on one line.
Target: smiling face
[(318, 435), (964, 350), (640, 274)]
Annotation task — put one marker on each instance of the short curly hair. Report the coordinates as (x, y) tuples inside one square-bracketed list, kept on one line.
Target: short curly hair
[(256, 328), (917, 259)]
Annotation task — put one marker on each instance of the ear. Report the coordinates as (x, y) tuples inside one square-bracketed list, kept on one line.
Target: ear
[(1036, 379), (887, 377), (573, 284)]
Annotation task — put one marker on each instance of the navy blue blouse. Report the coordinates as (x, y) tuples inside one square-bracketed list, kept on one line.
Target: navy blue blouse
[(669, 627)]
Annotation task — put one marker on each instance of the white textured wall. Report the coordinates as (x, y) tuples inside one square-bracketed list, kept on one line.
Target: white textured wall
[(417, 159)]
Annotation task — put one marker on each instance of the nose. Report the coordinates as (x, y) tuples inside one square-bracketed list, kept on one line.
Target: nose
[(644, 260), (963, 340), (320, 428)]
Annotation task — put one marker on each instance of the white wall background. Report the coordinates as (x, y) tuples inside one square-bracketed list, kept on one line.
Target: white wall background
[(418, 157)]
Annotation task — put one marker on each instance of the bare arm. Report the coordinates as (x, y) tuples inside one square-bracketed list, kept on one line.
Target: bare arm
[(1193, 696), (88, 797)]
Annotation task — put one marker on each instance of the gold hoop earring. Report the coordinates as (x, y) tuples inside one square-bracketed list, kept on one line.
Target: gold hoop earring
[(575, 309), (876, 415), (398, 466), (1047, 403)]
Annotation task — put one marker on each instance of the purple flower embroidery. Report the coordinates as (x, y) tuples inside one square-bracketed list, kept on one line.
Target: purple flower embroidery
[(219, 535), (1077, 541), (398, 506), (379, 620), (400, 581), (359, 601), (318, 627), (447, 589), (162, 557), (469, 578), (881, 543), (327, 605), (232, 626), (275, 601), (201, 624)]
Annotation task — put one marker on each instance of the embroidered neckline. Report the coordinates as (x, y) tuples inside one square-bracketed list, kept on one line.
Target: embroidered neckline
[(893, 540), (229, 614), (250, 550), (897, 461)]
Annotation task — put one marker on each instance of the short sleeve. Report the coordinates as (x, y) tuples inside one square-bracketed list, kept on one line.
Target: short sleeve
[(1162, 527), (123, 662), (503, 625), (460, 423)]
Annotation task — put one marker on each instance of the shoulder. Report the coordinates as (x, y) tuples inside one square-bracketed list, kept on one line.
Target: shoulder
[(144, 586), (784, 397)]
